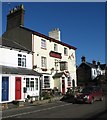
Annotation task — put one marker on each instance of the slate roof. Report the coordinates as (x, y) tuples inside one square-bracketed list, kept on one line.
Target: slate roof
[(91, 65), (88, 64), (103, 66), (58, 75), (19, 71), (12, 44)]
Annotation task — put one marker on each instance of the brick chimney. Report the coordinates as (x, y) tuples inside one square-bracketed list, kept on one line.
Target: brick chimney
[(94, 62), (55, 33), (16, 17), (83, 59), (98, 63)]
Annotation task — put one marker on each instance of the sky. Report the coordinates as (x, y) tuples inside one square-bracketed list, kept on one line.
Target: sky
[(82, 24)]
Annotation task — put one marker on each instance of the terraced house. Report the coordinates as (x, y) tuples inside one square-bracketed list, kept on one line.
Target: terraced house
[(53, 58), (17, 79)]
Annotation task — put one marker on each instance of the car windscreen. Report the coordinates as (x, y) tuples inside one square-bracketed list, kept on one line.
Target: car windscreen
[(87, 90)]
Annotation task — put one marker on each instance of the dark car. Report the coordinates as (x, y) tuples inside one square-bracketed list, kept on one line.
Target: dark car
[(90, 94)]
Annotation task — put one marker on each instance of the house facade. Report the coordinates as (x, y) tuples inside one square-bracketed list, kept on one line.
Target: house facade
[(89, 72), (51, 55), (17, 79)]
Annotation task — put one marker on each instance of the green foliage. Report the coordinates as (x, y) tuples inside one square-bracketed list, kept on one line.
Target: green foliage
[(46, 95)]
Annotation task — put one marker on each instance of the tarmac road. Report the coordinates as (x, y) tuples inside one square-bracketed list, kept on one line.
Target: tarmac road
[(59, 109)]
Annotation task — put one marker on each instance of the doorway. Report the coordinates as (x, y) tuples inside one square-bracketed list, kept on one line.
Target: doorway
[(17, 88), (5, 88)]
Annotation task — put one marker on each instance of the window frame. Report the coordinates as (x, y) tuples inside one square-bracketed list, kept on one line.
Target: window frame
[(21, 60), (43, 44), (36, 84), (47, 82), (43, 62), (63, 66), (65, 51), (55, 47)]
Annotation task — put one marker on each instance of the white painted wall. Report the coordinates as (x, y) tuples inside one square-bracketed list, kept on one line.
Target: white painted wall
[(0, 87), (12, 87), (10, 57), (38, 52), (93, 73)]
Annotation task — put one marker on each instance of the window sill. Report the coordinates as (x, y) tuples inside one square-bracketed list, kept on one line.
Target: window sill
[(43, 48)]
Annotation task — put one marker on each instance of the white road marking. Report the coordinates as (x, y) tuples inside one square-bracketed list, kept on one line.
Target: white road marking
[(35, 111)]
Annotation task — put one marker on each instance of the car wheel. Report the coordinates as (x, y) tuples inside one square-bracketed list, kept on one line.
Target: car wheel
[(101, 99), (92, 100)]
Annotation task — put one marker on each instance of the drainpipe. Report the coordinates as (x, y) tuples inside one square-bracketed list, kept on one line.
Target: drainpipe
[(40, 87)]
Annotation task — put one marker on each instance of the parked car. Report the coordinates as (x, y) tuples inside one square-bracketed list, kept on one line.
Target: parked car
[(90, 94)]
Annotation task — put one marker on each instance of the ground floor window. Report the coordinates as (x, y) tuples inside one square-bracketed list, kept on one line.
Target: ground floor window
[(46, 82), (31, 84), (36, 83)]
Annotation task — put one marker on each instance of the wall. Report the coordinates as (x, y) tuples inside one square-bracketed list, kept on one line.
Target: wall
[(51, 60), (19, 35), (83, 73), (93, 73), (11, 88), (57, 83), (10, 58)]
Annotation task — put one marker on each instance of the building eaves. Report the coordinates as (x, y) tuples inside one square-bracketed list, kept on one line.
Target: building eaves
[(88, 64), (91, 65), (58, 75), (49, 38), (103, 66), (19, 71)]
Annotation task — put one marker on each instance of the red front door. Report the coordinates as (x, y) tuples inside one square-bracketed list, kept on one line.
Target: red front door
[(63, 86), (18, 88)]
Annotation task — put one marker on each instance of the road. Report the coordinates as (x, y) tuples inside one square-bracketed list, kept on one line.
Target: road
[(58, 109)]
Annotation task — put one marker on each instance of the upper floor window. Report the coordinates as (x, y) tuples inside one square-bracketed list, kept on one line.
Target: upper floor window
[(63, 66), (55, 47), (65, 51), (43, 44), (43, 62), (21, 60)]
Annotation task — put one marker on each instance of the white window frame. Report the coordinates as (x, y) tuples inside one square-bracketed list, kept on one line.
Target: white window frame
[(65, 51), (32, 83), (55, 47), (47, 82), (36, 84), (21, 60), (43, 62), (43, 44)]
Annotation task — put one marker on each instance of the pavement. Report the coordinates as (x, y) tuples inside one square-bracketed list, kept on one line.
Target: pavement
[(7, 106)]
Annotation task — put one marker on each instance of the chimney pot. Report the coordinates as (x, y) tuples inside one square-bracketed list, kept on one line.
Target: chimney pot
[(98, 63), (21, 6), (83, 59), (94, 62)]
